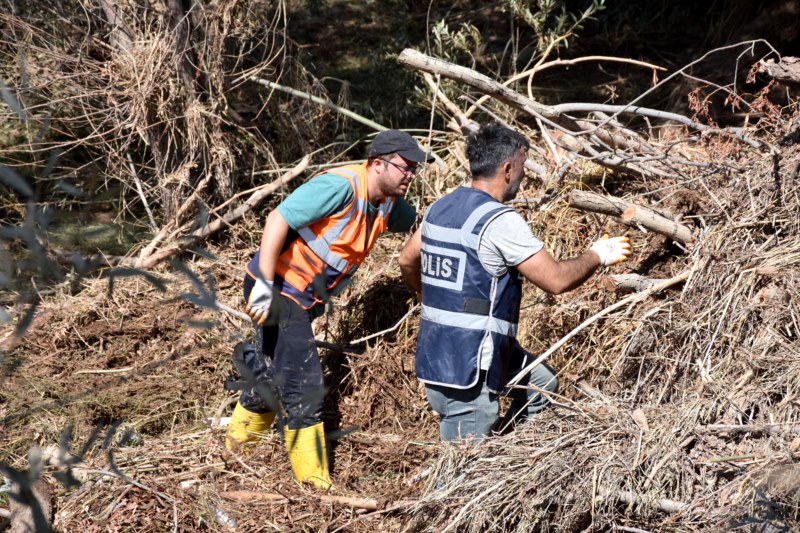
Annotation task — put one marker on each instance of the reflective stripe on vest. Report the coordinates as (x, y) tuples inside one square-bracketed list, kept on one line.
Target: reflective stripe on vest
[(469, 321), (319, 244)]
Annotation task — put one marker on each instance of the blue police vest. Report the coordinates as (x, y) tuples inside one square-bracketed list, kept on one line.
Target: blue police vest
[(462, 302)]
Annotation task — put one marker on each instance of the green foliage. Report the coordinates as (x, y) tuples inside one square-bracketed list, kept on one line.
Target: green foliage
[(551, 21), (455, 45)]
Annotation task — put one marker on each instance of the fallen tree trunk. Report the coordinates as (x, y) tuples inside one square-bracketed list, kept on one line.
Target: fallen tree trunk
[(597, 203), (633, 282), (35, 510)]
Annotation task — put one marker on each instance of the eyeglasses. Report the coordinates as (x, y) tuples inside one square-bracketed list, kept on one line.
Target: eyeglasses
[(402, 168)]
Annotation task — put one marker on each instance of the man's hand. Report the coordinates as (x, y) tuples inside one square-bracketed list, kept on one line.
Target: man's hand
[(260, 300), (612, 251)]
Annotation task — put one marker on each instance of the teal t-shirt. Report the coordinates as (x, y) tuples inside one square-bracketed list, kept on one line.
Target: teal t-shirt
[(327, 194)]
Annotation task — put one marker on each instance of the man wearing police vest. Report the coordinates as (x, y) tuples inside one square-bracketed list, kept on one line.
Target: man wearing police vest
[(467, 260), (311, 245)]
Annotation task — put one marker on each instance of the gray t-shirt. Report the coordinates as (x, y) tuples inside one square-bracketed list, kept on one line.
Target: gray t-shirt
[(506, 241)]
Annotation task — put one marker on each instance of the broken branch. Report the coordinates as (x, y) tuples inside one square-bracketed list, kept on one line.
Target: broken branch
[(630, 213)]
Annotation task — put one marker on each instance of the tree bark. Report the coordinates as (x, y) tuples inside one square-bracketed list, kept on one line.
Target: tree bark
[(596, 203), (36, 499), (787, 70), (633, 282), (119, 36)]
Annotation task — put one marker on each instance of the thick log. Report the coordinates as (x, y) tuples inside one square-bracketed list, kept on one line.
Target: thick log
[(631, 213), (597, 203), (119, 35), (653, 221), (368, 504), (787, 70)]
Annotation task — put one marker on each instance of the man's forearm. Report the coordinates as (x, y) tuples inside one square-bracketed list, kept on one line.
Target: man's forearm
[(557, 277), (575, 272)]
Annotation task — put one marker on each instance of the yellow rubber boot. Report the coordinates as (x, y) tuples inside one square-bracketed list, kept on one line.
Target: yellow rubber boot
[(246, 426), (309, 455)]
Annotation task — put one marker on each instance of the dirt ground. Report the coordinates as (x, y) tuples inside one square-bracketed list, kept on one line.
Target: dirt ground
[(146, 369)]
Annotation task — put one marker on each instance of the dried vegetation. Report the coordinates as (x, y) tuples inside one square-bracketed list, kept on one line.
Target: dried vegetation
[(678, 410)]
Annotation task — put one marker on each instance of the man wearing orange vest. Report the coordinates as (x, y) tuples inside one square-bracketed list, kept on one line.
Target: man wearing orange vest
[(311, 245)]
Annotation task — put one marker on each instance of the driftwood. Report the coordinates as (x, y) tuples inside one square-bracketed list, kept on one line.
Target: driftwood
[(597, 203), (787, 70), (649, 219), (630, 213), (209, 229), (669, 506)]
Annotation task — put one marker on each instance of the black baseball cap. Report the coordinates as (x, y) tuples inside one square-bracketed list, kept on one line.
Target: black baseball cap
[(401, 143)]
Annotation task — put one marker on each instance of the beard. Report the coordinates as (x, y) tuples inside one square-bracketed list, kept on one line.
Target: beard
[(513, 189)]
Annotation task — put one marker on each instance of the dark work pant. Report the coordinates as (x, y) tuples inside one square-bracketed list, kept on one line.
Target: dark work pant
[(285, 366)]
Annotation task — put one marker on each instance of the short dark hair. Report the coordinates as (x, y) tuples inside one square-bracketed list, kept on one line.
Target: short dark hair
[(491, 146)]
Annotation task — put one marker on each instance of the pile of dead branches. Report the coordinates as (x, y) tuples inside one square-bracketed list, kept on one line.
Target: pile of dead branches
[(679, 403)]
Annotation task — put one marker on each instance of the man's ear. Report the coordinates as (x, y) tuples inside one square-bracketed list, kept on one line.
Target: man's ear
[(507, 167)]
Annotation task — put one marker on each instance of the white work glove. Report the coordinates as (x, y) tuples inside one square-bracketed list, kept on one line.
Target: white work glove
[(260, 300), (612, 251)]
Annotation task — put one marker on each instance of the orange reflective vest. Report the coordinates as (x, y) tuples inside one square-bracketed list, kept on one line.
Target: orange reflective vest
[(331, 249)]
